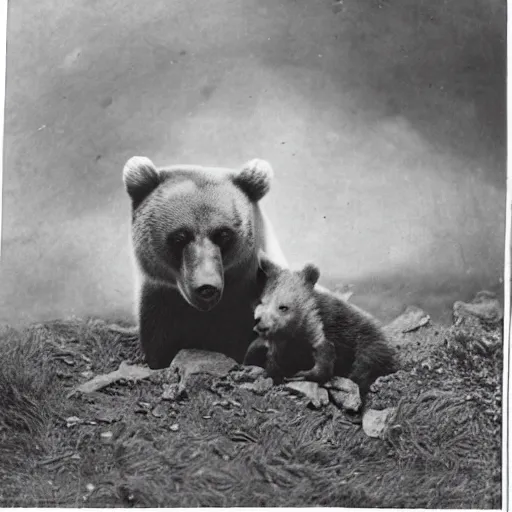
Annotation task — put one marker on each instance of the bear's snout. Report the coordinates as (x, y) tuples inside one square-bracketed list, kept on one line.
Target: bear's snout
[(202, 274), (260, 327), (206, 297), (207, 293)]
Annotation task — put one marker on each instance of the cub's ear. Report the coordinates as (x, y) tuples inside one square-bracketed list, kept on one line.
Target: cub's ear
[(254, 179), (310, 273), (140, 178), (266, 264)]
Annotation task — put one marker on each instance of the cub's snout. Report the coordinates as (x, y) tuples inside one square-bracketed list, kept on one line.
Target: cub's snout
[(261, 328), (264, 321)]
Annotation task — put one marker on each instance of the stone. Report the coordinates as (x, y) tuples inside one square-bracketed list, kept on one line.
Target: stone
[(172, 392), (247, 374), (72, 421), (410, 320), (375, 423), (191, 361), (106, 436), (344, 393), (485, 307), (196, 369), (124, 372), (260, 386), (318, 397), (107, 416), (489, 342), (159, 411)]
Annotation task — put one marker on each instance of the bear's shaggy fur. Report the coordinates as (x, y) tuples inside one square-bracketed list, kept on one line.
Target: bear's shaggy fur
[(313, 335), (196, 233)]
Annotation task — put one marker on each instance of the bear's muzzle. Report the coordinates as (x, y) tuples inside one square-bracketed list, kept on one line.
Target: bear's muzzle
[(202, 272)]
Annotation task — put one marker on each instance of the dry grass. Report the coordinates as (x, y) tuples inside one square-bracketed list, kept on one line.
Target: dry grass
[(270, 450)]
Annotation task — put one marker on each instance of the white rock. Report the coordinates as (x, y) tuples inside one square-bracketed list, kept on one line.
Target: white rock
[(318, 397), (344, 393), (376, 422), (190, 361), (485, 307), (260, 387), (411, 319), (171, 392)]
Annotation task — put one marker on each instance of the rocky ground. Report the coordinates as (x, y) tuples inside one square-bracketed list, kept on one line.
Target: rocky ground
[(84, 423)]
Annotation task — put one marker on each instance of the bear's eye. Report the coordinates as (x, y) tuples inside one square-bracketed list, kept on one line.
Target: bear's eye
[(179, 239), (283, 308), (223, 237)]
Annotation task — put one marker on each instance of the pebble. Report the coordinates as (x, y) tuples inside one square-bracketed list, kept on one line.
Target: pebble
[(191, 361), (318, 397), (375, 422), (171, 392), (159, 411), (260, 387), (72, 421), (344, 393)]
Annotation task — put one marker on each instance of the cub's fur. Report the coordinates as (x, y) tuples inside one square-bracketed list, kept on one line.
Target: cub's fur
[(313, 334), (288, 317), (196, 233)]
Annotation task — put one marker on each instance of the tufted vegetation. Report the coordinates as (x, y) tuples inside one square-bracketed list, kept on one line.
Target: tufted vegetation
[(238, 449)]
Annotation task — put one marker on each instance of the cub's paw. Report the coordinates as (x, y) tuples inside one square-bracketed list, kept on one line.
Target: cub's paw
[(313, 375), (256, 354)]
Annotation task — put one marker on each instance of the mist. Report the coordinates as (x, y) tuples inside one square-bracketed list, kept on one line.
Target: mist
[(384, 123)]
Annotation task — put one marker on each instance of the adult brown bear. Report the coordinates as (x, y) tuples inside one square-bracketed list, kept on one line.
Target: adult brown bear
[(196, 234)]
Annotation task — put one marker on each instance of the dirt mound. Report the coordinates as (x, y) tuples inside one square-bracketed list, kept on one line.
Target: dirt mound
[(225, 443)]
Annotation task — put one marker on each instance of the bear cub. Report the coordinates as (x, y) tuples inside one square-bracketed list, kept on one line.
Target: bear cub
[(312, 334)]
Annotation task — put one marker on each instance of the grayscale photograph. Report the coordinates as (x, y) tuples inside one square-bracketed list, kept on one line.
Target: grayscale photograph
[(254, 254)]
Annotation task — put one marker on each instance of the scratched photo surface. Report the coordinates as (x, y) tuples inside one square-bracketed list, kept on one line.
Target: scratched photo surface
[(384, 122)]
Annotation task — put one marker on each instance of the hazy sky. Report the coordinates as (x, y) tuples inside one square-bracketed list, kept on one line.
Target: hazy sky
[(385, 127)]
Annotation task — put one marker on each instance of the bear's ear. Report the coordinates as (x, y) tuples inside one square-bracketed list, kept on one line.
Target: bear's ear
[(254, 179), (266, 264), (140, 178), (310, 274)]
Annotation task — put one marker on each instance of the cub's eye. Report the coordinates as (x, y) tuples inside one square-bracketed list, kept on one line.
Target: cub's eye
[(223, 237), (179, 239), (283, 308)]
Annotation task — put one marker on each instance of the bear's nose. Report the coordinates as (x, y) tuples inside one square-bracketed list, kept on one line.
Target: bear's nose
[(207, 292)]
